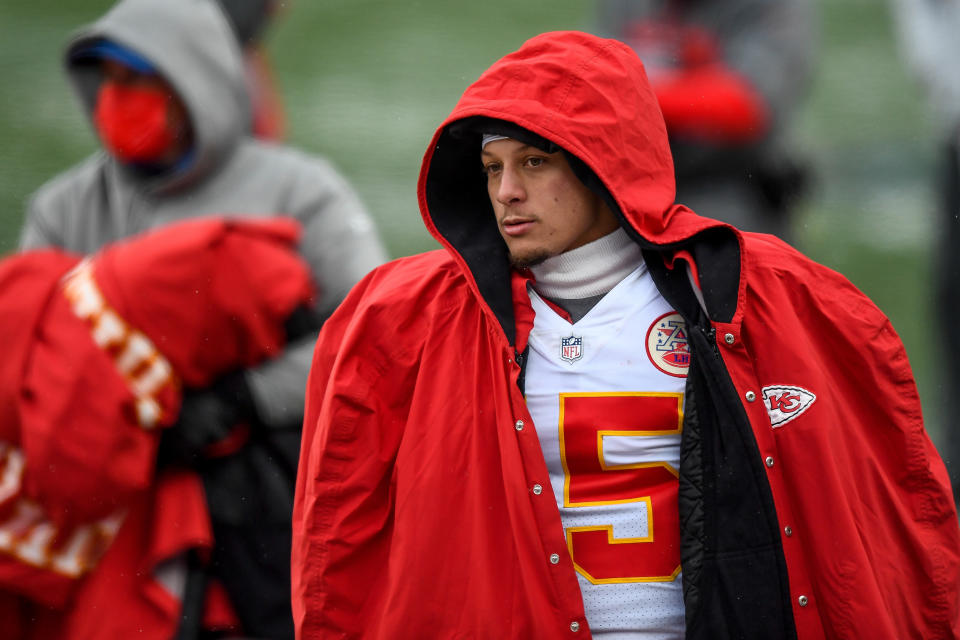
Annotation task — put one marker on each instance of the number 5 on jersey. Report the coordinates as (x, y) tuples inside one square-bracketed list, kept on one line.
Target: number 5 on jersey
[(651, 486)]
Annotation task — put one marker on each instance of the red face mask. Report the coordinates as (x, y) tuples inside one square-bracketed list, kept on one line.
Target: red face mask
[(133, 122)]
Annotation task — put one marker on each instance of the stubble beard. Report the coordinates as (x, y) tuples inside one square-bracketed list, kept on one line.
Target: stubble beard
[(529, 260)]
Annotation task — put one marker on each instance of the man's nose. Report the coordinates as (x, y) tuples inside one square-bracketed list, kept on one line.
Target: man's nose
[(511, 188)]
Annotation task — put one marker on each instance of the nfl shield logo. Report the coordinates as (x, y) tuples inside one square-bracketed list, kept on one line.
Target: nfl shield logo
[(571, 349)]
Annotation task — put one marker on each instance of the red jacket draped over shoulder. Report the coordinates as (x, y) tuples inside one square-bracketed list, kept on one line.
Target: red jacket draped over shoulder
[(97, 351)]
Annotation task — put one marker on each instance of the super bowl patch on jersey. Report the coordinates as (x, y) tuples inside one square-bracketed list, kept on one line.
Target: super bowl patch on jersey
[(667, 345), (571, 349)]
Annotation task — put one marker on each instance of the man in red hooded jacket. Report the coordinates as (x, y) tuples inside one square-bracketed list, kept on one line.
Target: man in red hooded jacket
[(595, 413)]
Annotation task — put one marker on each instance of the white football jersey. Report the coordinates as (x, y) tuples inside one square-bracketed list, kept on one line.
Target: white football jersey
[(606, 396)]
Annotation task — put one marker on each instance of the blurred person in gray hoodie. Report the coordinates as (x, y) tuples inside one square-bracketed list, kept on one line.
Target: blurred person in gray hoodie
[(163, 84)]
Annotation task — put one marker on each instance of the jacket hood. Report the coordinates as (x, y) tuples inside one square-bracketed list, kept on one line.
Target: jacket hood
[(588, 95), (191, 44)]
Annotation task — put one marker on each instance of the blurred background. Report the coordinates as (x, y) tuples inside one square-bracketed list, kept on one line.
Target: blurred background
[(365, 82)]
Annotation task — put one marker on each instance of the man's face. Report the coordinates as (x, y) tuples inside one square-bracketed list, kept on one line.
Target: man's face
[(542, 208)]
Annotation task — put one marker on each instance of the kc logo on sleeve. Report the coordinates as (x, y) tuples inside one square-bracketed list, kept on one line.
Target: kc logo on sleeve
[(784, 403)]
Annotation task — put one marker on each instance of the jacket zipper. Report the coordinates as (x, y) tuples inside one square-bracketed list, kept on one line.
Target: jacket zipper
[(520, 358), (711, 335)]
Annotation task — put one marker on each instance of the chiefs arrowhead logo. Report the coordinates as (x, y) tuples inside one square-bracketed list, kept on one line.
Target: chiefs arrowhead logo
[(785, 403)]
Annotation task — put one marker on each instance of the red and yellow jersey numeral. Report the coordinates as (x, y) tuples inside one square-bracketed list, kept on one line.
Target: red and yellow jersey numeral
[(585, 419)]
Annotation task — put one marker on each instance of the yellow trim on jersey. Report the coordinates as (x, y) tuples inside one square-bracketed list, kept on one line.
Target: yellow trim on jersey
[(612, 540)]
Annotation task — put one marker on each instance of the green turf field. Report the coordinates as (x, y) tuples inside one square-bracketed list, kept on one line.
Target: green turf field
[(365, 83)]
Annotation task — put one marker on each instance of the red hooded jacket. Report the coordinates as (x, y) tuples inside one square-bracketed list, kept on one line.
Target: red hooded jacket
[(822, 514), (98, 350)]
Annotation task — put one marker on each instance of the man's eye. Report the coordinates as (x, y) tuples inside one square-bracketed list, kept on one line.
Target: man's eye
[(535, 161), (493, 167)]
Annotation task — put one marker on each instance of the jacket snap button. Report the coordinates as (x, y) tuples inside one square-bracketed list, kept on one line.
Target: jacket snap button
[(574, 626), (788, 531), (802, 600), (554, 558), (519, 425), (729, 339), (537, 489), (769, 461), (750, 396)]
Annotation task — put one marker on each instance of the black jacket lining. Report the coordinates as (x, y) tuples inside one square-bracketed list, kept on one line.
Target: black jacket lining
[(730, 536)]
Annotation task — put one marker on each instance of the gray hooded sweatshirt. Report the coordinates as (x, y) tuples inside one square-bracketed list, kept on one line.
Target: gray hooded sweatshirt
[(101, 200)]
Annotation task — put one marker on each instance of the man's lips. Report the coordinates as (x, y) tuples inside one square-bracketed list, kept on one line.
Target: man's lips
[(516, 226)]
